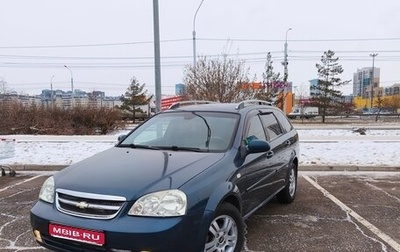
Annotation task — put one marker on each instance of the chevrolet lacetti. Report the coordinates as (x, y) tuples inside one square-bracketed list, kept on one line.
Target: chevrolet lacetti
[(184, 180)]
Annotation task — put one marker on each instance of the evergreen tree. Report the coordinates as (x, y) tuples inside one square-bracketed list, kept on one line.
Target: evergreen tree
[(134, 97), (272, 85), (325, 95)]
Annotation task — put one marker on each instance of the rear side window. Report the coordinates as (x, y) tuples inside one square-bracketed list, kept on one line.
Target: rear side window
[(271, 125), (287, 126)]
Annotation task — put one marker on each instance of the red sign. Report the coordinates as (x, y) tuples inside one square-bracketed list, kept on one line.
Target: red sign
[(77, 234), (167, 102)]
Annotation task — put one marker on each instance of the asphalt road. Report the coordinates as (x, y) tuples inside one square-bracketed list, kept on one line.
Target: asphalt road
[(333, 211)]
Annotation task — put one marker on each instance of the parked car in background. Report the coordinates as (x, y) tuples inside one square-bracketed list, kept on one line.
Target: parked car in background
[(184, 180)]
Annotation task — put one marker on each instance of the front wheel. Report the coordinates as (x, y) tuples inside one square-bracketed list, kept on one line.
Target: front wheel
[(288, 193), (226, 231)]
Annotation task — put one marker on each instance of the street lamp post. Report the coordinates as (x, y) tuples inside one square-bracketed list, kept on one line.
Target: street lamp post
[(72, 86), (285, 73), (373, 55), (194, 34), (157, 53)]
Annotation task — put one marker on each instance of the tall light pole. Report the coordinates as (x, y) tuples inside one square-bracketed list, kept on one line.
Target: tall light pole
[(194, 34), (373, 55), (285, 73), (157, 61), (72, 86)]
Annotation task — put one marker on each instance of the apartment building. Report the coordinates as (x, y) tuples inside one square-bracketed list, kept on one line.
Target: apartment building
[(62, 99), (362, 81)]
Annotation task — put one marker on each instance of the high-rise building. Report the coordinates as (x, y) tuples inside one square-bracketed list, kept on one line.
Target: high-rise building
[(362, 81)]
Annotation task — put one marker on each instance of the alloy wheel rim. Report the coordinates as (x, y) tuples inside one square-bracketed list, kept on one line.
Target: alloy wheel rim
[(292, 183), (222, 235)]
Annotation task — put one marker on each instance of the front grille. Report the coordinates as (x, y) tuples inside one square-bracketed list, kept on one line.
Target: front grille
[(88, 205)]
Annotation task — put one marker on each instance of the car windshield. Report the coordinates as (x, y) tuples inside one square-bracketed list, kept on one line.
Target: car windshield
[(185, 131)]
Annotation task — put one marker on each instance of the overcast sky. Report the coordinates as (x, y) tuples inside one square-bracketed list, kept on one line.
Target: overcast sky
[(105, 43)]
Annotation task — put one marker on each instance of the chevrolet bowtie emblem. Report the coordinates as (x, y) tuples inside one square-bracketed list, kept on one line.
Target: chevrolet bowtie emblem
[(82, 205)]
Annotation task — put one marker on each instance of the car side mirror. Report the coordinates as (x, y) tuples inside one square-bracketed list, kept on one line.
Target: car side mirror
[(257, 146), (121, 137)]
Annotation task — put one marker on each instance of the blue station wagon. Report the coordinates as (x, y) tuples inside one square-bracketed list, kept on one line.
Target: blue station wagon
[(184, 180)]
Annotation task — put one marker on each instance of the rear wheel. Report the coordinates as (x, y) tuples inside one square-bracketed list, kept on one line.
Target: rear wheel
[(226, 231), (288, 194)]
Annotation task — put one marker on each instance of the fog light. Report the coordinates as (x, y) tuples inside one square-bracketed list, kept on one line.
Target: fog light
[(38, 237)]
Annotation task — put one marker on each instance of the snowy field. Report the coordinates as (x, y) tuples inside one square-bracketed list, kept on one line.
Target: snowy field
[(380, 146)]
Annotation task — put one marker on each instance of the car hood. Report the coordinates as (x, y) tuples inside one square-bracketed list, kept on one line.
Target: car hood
[(133, 172)]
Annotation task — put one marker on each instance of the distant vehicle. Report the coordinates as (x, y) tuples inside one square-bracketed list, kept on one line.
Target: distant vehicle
[(182, 181), (374, 111), (370, 111), (303, 112)]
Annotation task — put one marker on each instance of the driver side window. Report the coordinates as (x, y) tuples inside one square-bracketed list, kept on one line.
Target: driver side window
[(255, 131)]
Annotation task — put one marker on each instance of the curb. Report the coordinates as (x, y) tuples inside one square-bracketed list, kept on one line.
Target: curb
[(38, 167), (301, 168), (349, 168)]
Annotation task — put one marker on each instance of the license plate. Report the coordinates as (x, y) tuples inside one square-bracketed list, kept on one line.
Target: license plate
[(77, 234)]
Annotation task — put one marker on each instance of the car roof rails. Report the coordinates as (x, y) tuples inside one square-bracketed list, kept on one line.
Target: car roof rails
[(243, 104), (186, 103)]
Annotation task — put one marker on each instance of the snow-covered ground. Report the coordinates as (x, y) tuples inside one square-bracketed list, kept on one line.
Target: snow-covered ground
[(331, 146)]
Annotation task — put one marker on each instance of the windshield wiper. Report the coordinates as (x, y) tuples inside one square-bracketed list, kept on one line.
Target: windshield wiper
[(208, 129), (139, 146), (178, 148)]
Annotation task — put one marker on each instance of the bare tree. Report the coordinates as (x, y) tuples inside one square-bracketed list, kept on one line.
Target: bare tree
[(221, 79), (3, 85)]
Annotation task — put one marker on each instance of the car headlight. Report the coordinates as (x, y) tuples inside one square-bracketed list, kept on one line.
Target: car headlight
[(160, 204), (47, 191)]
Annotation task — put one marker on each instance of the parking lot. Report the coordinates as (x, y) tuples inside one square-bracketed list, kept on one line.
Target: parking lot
[(333, 211)]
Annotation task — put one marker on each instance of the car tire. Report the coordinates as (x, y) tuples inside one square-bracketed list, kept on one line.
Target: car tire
[(288, 194), (226, 230)]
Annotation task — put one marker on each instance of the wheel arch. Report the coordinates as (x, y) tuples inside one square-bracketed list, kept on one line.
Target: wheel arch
[(225, 192), (295, 161)]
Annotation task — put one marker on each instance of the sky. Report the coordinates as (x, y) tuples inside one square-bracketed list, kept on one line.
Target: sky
[(106, 43), (318, 147)]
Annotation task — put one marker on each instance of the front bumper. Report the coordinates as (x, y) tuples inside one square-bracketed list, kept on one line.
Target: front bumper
[(123, 233)]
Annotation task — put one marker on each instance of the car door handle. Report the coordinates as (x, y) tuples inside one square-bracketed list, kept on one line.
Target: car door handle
[(270, 154)]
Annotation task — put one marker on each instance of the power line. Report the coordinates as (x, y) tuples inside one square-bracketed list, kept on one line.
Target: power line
[(301, 40), (89, 45), (203, 39)]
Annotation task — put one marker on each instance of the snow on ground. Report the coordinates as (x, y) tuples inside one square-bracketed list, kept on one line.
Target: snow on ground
[(318, 146)]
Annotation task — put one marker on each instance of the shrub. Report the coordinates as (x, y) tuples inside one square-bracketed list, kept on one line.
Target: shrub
[(18, 119)]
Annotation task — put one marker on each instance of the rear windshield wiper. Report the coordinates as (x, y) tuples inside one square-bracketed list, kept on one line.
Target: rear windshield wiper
[(139, 146)]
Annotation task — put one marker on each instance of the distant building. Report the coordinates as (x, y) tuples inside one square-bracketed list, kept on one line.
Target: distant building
[(179, 89), (62, 99), (362, 82), (393, 90)]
